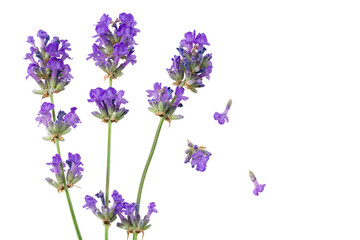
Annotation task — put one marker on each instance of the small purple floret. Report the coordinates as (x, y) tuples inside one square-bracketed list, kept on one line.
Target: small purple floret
[(222, 117), (72, 118), (199, 160), (56, 160), (74, 163), (44, 116), (258, 187), (151, 209), (90, 203)]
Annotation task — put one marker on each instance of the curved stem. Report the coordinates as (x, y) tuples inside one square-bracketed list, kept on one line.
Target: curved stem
[(68, 194), (108, 165), (141, 185)]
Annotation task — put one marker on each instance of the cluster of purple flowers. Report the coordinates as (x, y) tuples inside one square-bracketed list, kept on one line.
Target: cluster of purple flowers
[(62, 124), (48, 68), (73, 175), (258, 187), (106, 214), (114, 45), (222, 117), (162, 102), (109, 102), (192, 65), (127, 212), (133, 222), (198, 156)]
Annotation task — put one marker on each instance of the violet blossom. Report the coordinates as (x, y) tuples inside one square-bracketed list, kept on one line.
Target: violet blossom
[(132, 221), (113, 49), (198, 155), (109, 102), (162, 102), (191, 66), (47, 64), (222, 117), (258, 187), (73, 175), (106, 214), (62, 124)]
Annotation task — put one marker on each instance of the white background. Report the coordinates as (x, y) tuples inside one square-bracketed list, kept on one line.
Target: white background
[(292, 71)]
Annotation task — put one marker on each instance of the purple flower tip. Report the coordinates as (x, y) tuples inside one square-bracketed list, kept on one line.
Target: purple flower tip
[(44, 115), (199, 160), (56, 160), (258, 187), (42, 34), (151, 209), (72, 118), (90, 203), (222, 117)]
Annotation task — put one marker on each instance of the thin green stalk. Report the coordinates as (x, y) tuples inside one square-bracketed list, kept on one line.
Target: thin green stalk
[(108, 169), (108, 165), (53, 110), (107, 231), (68, 194), (63, 178), (141, 185)]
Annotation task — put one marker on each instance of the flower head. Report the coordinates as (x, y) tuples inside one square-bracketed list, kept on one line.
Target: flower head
[(106, 214), (163, 103), (191, 66), (73, 175), (109, 102), (47, 64), (222, 117), (62, 124), (258, 187), (132, 221), (198, 155), (114, 42), (56, 169)]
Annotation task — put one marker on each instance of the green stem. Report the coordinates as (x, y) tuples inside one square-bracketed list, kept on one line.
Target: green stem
[(53, 110), (148, 164), (108, 169), (68, 194), (108, 165), (106, 231), (134, 236)]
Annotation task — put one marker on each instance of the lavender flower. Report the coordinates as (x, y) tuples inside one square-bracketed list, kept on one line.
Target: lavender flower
[(258, 187), (106, 214), (221, 117), (59, 184), (133, 221), (198, 156), (161, 101), (191, 63), (109, 103), (47, 65), (114, 45), (62, 124), (73, 174)]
